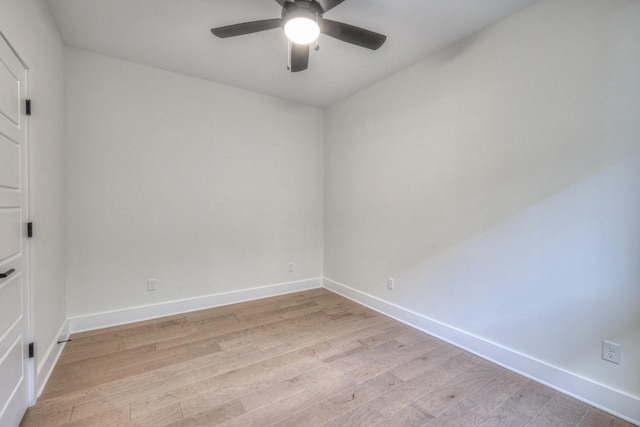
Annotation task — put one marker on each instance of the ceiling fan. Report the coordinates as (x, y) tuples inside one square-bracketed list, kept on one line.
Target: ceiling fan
[(303, 22)]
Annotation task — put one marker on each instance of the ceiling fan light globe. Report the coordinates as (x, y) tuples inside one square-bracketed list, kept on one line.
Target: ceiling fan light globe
[(301, 30)]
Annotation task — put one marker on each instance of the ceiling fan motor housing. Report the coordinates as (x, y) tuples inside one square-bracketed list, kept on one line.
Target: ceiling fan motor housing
[(302, 9)]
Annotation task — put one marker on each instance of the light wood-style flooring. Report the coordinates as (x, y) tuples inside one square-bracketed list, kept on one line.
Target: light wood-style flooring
[(307, 359)]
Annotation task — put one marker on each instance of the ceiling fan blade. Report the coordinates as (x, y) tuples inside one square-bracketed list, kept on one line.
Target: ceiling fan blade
[(354, 35), (246, 28), (284, 2), (328, 4), (299, 57)]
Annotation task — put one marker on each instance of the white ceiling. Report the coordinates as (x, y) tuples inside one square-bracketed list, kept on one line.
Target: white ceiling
[(175, 35)]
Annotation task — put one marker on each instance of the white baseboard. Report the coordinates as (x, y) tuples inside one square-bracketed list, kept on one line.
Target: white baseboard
[(135, 314), (600, 396), (48, 361)]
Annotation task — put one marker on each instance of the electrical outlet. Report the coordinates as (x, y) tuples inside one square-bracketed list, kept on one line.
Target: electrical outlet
[(611, 352), (290, 267), (151, 285), (391, 284)]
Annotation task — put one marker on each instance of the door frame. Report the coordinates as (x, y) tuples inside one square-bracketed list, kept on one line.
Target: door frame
[(31, 363)]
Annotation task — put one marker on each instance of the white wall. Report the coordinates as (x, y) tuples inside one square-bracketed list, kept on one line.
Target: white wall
[(206, 188), (29, 27), (498, 183)]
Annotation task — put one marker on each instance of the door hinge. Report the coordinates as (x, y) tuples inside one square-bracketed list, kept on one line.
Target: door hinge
[(32, 350), (29, 229), (27, 107)]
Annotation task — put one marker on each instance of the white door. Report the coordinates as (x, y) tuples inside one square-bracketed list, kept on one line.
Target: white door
[(14, 372)]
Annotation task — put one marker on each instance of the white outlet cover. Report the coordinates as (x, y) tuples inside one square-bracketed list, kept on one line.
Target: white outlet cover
[(611, 352)]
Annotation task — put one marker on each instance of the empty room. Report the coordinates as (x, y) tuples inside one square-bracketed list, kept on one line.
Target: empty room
[(320, 213)]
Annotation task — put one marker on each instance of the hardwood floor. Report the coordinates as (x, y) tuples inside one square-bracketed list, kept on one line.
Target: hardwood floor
[(306, 359)]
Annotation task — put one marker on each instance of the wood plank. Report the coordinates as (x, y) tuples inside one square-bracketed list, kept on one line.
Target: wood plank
[(561, 411), (269, 411), (342, 402), (362, 415), (412, 415), (439, 374), (46, 417), (213, 416), (473, 409), (521, 407), (598, 418)]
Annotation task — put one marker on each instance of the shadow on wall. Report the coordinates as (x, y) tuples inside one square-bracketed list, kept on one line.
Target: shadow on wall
[(553, 280)]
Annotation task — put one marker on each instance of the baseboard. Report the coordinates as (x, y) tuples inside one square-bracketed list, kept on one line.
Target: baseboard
[(135, 314), (48, 361), (600, 396)]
